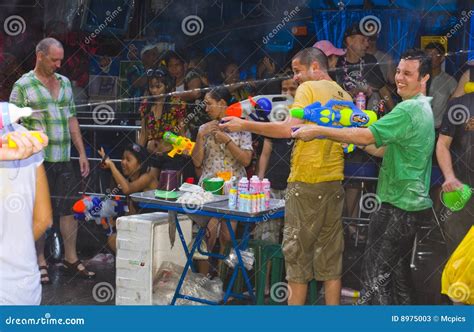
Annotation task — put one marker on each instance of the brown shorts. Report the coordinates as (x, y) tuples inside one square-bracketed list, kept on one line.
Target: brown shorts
[(313, 240)]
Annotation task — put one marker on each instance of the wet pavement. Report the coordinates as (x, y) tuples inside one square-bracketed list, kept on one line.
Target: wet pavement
[(71, 290)]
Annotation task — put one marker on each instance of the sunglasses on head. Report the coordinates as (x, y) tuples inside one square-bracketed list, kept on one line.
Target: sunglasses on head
[(137, 148), (155, 73)]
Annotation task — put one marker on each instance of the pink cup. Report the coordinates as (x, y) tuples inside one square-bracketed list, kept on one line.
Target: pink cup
[(169, 180)]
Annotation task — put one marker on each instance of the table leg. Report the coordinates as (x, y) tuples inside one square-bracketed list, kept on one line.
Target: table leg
[(189, 262), (240, 264), (181, 236)]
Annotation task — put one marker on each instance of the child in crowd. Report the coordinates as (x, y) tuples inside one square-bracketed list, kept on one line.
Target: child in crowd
[(25, 214), (135, 176), (217, 151)]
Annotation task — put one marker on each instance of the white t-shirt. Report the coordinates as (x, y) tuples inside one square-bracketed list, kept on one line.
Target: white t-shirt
[(19, 274)]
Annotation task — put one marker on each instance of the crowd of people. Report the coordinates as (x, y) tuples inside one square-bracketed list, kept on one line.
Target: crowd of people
[(411, 99)]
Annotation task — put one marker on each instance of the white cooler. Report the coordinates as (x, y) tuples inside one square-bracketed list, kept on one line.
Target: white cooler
[(142, 245)]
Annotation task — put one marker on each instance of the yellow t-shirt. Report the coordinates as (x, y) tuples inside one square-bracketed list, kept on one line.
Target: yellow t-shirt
[(319, 160)]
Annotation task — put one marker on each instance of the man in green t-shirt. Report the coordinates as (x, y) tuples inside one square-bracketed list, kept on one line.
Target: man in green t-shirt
[(405, 140)]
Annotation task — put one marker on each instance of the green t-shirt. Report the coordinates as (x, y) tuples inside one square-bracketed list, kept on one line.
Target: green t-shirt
[(407, 133)]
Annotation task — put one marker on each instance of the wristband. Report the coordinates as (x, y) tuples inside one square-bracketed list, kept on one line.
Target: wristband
[(227, 143)]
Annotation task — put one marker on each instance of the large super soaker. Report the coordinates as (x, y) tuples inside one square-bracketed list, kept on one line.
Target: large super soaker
[(100, 210), (264, 108), (336, 114)]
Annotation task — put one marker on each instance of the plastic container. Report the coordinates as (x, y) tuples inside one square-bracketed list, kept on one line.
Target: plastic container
[(244, 202), (456, 200), (169, 180), (214, 185), (232, 198), (248, 203), (243, 186), (360, 101), (254, 203), (143, 244), (266, 185), (261, 200), (254, 187)]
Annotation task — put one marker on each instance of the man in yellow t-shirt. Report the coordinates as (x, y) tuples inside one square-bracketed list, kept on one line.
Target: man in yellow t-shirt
[(313, 237)]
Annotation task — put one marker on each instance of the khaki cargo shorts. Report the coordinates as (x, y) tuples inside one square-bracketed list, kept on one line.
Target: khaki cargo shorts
[(313, 240)]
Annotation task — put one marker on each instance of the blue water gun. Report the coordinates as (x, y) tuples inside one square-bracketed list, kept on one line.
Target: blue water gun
[(336, 114), (100, 210)]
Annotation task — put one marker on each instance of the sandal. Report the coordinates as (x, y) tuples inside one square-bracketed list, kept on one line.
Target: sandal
[(73, 270), (45, 279)]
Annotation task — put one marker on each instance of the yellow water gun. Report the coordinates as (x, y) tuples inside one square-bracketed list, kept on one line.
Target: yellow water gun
[(180, 144)]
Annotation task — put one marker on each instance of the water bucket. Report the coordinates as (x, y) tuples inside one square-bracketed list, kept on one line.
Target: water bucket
[(457, 200), (214, 185)]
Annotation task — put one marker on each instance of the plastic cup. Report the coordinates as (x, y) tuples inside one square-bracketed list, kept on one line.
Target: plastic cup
[(169, 180), (457, 200)]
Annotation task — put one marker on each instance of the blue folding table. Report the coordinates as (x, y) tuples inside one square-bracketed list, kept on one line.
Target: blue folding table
[(218, 209)]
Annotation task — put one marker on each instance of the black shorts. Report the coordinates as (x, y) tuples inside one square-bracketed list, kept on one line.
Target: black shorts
[(63, 187)]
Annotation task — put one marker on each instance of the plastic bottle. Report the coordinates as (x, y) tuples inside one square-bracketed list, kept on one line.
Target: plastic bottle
[(243, 185), (348, 292), (10, 113), (254, 203), (360, 101), (247, 203), (232, 198), (262, 202), (254, 187), (266, 185), (240, 202)]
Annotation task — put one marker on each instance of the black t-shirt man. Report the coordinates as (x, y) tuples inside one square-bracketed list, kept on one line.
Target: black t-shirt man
[(361, 75), (463, 136), (364, 72), (278, 169)]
